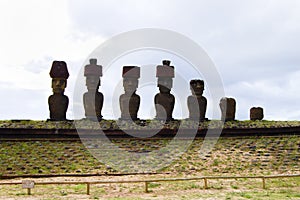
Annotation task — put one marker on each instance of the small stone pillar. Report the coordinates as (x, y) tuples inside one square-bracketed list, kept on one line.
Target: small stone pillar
[(164, 100), (196, 102), (58, 102), (93, 99), (256, 113), (228, 108), (130, 101)]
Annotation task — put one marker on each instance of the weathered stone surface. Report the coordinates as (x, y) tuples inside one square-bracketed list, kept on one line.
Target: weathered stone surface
[(256, 113), (228, 108), (58, 102), (164, 100), (130, 101), (58, 106), (93, 99), (196, 102), (93, 103)]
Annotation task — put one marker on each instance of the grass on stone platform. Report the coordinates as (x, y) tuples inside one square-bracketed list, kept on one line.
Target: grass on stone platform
[(144, 124), (228, 156)]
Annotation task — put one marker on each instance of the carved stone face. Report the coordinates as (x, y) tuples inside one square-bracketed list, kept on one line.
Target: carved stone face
[(165, 84), (92, 83), (59, 85), (197, 88), (130, 85)]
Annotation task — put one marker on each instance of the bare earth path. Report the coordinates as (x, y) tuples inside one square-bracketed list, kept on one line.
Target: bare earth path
[(218, 189)]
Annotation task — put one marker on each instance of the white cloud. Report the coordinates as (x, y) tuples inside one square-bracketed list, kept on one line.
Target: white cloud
[(33, 34), (279, 96), (255, 45)]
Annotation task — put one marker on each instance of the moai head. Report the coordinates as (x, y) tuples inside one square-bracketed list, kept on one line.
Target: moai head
[(256, 113), (59, 74), (130, 75), (92, 72), (228, 107), (197, 87), (165, 73)]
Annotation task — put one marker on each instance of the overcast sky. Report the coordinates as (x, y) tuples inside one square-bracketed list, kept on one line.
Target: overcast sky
[(255, 45)]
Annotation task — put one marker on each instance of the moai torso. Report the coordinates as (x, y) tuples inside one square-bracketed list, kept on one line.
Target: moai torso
[(256, 113), (197, 107), (93, 103), (129, 105), (196, 102), (228, 107), (58, 105), (164, 106)]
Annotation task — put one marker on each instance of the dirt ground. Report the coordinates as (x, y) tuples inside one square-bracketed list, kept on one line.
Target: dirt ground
[(218, 189)]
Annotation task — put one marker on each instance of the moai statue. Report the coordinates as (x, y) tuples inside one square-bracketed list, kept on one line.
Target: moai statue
[(130, 101), (196, 102), (93, 99), (58, 102), (256, 113), (228, 107), (164, 100)]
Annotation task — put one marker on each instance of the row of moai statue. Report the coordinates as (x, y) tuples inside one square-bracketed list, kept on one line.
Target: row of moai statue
[(129, 101)]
